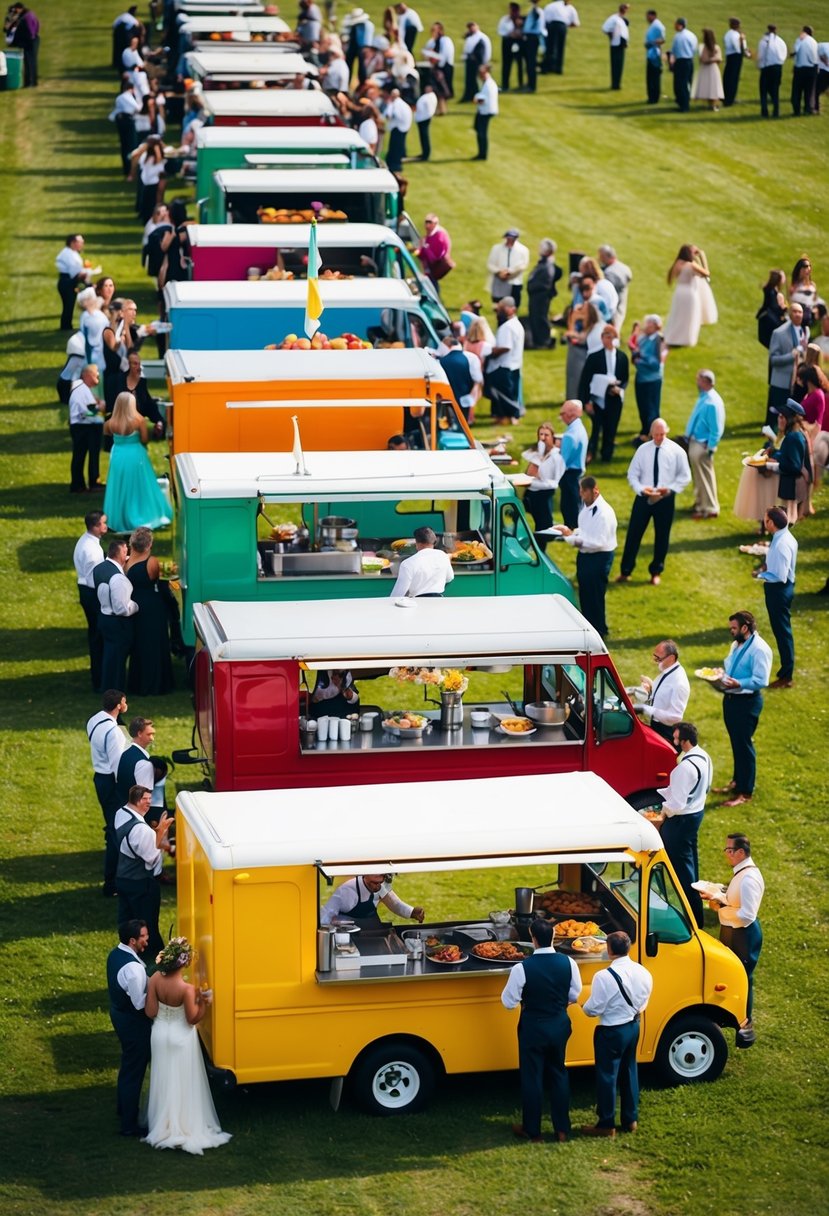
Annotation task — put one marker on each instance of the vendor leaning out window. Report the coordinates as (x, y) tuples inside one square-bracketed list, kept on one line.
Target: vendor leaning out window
[(335, 693)]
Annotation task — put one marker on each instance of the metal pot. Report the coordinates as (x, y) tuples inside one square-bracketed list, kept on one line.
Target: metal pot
[(547, 713), (524, 901), (336, 529), (451, 710)]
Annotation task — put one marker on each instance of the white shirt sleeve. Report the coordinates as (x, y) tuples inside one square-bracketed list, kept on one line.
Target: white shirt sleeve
[(133, 979), (115, 743), (144, 774), (120, 597), (404, 580), (750, 894), (396, 905), (514, 987)]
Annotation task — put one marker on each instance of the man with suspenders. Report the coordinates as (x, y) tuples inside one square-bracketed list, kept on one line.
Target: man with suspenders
[(140, 853), (107, 742), (668, 694), (682, 810)]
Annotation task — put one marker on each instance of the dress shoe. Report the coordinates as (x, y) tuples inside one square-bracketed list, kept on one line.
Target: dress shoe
[(136, 1131), (781, 683), (655, 580), (738, 800), (560, 1137), (629, 1127), (593, 1129), (622, 578), (108, 890), (724, 789), (518, 1130)]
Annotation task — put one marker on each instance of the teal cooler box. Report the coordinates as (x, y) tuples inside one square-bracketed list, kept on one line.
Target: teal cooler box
[(14, 70)]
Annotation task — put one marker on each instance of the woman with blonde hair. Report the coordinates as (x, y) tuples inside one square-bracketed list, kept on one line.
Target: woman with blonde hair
[(133, 496)]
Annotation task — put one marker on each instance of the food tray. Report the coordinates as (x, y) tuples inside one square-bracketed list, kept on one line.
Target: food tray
[(526, 949), (565, 904), (444, 962), (598, 944)]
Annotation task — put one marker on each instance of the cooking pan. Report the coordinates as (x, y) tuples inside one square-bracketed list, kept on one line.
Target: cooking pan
[(547, 713)]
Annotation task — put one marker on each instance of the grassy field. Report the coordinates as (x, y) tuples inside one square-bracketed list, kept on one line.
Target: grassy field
[(582, 165)]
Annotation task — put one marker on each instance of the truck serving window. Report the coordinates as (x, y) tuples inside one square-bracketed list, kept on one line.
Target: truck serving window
[(666, 913)]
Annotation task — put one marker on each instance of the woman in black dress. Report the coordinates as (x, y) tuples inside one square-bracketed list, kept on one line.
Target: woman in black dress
[(772, 311), (151, 666), (145, 403)]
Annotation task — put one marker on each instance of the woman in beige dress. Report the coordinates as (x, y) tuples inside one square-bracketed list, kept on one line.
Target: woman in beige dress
[(708, 85), (693, 304)]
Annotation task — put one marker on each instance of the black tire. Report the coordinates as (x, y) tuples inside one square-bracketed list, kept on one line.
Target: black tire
[(692, 1049), (647, 800), (393, 1078)]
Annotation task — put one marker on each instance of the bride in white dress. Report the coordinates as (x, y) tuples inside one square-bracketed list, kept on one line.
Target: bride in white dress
[(181, 1113)]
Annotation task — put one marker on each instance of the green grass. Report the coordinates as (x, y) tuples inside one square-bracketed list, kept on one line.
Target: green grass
[(583, 166)]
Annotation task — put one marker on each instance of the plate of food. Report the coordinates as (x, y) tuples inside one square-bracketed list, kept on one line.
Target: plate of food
[(567, 903), (470, 553), (502, 953), (403, 548), (711, 674), (755, 550), (519, 728), (710, 890), (373, 564), (406, 725), (578, 928), (587, 945), (651, 815), (446, 956)]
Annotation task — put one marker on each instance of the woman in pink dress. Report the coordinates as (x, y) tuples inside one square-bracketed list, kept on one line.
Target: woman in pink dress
[(708, 86)]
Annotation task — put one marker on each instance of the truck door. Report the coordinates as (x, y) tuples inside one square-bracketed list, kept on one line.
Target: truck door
[(671, 950), (519, 561), (612, 725)]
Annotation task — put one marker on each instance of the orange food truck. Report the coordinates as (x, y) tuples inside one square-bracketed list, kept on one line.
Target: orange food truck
[(344, 400), (392, 1007)]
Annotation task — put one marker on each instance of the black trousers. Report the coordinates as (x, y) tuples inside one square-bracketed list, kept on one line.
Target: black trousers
[(741, 713), (30, 54), (617, 64), (679, 836), (653, 81), (425, 139), (648, 400), (107, 794), (779, 598), (592, 573), (770, 79), (804, 81), (539, 503), (615, 1050), (539, 309), (133, 1030), (92, 611), (86, 442), (117, 635), (662, 514), (746, 944), (125, 127), (531, 42), (396, 150), (568, 496), (66, 291), (542, 1043), (482, 134), (683, 72), (141, 900), (409, 37), (731, 78), (554, 54), (605, 425), (470, 84)]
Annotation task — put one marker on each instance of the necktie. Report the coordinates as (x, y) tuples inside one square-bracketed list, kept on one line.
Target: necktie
[(655, 467), (593, 512)]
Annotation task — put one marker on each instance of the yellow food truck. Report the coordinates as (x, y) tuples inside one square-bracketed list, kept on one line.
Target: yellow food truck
[(388, 1008)]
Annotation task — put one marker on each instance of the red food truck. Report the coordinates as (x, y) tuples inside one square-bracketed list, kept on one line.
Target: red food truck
[(343, 692)]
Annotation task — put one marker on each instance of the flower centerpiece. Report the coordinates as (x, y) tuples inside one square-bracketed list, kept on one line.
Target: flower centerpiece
[(454, 681), (452, 687)]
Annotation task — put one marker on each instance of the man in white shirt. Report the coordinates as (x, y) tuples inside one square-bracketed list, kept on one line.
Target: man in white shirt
[(409, 24), (544, 985), (398, 116), (132, 62), (425, 110), (738, 910), (559, 17), (503, 369), (804, 76), (114, 591), (668, 694), (140, 853), (127, 986), (357, 899), (595, 539), (86, 425), (683, 806), (426, 573), (616, 28), (658, 472), (127, 105), (618, 996), (772, 53), (777, 575), (486, 108), (509, 31), (506, 264), (735, 49), (440, 52), (134, 764), (106, 743), (620, 276), (477, 50), (87, 555), (335, 77), (71, 272)]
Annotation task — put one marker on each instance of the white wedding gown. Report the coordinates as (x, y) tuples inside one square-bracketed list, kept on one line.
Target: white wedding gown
[(181, 1113)]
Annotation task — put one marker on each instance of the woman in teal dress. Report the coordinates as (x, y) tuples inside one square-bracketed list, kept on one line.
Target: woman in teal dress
[(133, 496)]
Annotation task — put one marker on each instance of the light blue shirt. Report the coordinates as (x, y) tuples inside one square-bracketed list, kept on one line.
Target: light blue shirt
[(781, 558), (707, 421), (684, 44), (534, 22), (649, 365), (749, 663), (574, 446), (805, 52), (655, 33)]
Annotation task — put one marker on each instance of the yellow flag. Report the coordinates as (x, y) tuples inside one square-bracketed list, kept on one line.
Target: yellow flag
[(313, 303)]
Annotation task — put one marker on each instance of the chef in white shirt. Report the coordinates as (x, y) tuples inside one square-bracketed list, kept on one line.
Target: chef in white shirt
[(426, 573), (668, 694), (357, 899), (595, 539), (87, 555), (738, 910)]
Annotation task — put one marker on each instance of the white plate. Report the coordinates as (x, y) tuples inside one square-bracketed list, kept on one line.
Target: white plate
[(515, 734)]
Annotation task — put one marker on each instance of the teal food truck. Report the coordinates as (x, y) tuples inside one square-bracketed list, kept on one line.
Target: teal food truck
[(253, 526), (250, 196), (277, 148)]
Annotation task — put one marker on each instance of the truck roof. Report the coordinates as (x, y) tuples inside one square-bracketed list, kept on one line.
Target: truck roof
[(291, 236), (223, 23), (380, 828), (370, 369), (322, 139), (244, 61), (334, 632), (246, 103), (306, 181), (335, 476), (292, 293)]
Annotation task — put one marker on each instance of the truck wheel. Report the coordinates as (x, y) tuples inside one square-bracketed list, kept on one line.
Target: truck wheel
[(393, 1079), (692, 1049), (648, 800)]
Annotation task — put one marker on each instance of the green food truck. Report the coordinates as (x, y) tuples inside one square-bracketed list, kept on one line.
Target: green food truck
[(250, 196), (334, 525)]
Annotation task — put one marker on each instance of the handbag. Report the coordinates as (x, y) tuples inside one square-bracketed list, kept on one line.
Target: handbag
[(440, 268), (682, 441)]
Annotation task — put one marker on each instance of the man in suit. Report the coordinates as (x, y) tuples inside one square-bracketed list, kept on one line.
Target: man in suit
[(543, 985), (787, 349), (114, 591), (604, 402), (127, 984)]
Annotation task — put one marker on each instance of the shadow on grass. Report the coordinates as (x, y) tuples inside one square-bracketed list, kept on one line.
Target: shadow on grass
[(41, 868), (38, 443), (43, 644), (84, 1001), (56, 700), (716, 637), (44, 498)]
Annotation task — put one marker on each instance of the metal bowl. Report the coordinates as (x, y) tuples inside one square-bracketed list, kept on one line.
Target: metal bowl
[(547, 713)]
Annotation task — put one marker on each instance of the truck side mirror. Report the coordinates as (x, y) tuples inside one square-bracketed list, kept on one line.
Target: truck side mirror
[(513, 553), (615, 724), (651, 945)]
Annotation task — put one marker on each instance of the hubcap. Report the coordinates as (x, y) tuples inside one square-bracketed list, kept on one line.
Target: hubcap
[(691, 1054), (395, 1085)]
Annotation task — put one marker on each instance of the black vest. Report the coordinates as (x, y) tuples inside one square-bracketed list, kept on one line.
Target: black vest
[(105, 572), (119, 1001), (131, 867), (547, 987), (456, 366), (125, 777)]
